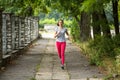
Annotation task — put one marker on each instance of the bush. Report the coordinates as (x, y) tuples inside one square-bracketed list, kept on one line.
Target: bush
[(118, 64), (104, 52), (75, 31), (99, 48), (41, 26), (116, 40), (103, 45), (67, 23), (47, 21)]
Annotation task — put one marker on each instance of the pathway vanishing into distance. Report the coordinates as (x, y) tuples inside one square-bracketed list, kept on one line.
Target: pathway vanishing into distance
[(40, 62)]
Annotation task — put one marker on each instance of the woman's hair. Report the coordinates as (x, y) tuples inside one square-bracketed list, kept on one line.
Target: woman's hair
[(59, 21)]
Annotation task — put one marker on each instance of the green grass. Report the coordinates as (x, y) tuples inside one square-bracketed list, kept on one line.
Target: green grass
[(32, 79), (37, 67)]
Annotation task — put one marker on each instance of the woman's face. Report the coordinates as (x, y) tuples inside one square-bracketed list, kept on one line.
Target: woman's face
[(60, 23)]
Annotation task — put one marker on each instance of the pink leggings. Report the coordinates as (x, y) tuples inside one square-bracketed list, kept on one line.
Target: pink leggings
[(61, 51)]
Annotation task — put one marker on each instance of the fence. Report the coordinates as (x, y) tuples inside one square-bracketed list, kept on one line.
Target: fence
[(16, 33)]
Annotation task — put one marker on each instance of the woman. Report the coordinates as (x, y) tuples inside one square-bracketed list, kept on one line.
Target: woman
[(61, 41)]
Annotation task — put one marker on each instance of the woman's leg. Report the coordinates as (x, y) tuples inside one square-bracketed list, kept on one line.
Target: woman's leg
[(63, 46), (58, 45)]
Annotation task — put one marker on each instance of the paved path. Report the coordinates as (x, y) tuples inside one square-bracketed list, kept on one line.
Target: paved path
[(41, 62)]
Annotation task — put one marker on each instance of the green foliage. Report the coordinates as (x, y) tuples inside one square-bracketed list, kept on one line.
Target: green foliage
[(93, 5), (116, 40), (119, 9), (24, 7), (112, 27), (68, 7), (102, 47), (118, 64), (109, 13), (32, 79), (75, 31), (53, 14), (99, 48), (103, 44), (48, 21), (67, 23)]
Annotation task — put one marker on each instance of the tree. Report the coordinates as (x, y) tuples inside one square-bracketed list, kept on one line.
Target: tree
[(96, 24), (115, 15), (97, 8), (24, 7)]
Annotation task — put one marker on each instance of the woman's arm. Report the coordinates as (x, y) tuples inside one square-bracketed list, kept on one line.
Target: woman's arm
[(56, 34), (67, 34)]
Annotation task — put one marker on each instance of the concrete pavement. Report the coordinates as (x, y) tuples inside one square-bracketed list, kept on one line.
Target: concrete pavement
[(41, 62), (76, 65)]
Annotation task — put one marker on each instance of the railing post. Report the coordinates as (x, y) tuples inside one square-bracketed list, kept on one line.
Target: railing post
[(26, 24), (16, 27), (19, 32), (0, 37), (34, 27), (22, 31), (4, 42), (13, 32), (37, 27), (7, 21), (29, 31)]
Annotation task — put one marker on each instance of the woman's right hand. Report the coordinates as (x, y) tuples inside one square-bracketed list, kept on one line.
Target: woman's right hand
[(57, 34)]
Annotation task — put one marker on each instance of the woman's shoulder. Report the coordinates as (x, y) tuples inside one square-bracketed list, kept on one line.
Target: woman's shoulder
[(65, 28), (56, 28)]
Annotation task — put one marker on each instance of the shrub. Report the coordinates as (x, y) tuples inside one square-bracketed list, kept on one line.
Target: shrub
[(100, 47), (75, 31), (116, 40), (47, 21), (118, 64), (104, 45), (67, 23)]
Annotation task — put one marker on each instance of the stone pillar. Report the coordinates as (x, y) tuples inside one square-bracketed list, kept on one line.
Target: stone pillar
[(22, 31), (4, 38), (34, 26), (16, 27), (19, 32), (29, 30), (37, 26), (13, 32), (7, 22), (0, 37)]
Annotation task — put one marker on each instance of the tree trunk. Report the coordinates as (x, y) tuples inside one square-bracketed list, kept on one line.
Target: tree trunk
[(84, 27), (105, 25), (95, 24), (115, 15)]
